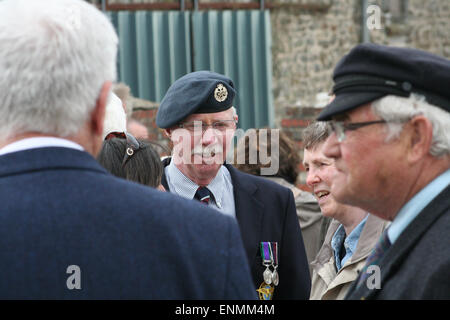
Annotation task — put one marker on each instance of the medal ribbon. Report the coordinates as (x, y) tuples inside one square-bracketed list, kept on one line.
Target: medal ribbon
[(266, 252), (274, 253)]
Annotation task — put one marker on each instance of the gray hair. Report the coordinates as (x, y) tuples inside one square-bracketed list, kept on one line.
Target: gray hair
[(391, 108), (55, 55), (234, 111), (315, 134)]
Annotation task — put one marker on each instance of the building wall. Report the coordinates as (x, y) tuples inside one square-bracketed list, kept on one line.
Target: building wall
[(306, 46), (428, 26), (310, 36)]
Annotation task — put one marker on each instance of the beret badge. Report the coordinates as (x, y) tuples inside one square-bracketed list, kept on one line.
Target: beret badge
[(220, 93)]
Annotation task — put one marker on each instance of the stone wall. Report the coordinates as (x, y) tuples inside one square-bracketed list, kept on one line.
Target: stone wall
[(428, 26), (306, 44)]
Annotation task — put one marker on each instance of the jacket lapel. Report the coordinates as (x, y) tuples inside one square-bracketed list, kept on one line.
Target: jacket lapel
[(249, 211), (165, 163), (406, 241)]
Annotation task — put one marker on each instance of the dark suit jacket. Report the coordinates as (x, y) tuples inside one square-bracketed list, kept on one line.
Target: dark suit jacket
[(417, 265), (266, 212), (60, 208)]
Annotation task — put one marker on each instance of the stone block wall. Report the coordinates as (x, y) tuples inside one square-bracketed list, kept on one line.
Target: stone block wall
[(428, 26)]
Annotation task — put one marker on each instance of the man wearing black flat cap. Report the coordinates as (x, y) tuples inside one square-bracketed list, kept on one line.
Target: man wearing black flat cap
[(391, 145), (198, 116)]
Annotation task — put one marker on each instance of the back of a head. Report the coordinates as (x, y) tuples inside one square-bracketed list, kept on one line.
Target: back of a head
[(55, 55), (144, 166), (286, 154)]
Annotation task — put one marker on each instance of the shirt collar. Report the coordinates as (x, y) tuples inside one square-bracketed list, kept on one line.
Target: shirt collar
[(187, 188), (39, 142), (350, 242), (416, 204)]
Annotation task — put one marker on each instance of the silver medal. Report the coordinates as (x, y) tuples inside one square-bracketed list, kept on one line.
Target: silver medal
[(275, 278), (267, 275)]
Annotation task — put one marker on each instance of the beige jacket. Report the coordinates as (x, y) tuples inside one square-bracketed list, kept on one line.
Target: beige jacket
[(327, 283)]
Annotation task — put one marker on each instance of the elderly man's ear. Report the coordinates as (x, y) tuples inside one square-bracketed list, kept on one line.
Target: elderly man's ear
[(98, 114), (420, 138)]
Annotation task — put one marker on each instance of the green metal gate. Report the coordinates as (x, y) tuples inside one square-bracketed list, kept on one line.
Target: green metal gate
[(158, 47)]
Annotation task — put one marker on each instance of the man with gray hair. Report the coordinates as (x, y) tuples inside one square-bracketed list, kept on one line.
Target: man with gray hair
[(391, 145), (69, 229)]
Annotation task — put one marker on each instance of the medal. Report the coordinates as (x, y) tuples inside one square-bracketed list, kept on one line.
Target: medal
[(275, 278), (265, 291), (266, 254), (267, 275)]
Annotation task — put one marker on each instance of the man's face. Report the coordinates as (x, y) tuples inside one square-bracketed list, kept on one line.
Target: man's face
[(320, 172), (197, 153), (368, 169)]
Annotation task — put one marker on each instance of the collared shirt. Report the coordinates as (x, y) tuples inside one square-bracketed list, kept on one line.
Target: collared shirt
[(39, 142), (221, 188), (350, 242), (416, 204)]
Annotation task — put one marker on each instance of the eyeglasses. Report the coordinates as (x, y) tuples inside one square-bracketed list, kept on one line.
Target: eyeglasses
[(339, 127), (221, 125), (132, 144)]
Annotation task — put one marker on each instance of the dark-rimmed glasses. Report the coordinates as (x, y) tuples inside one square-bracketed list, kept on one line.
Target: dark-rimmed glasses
[(132, 144), (339, 127)]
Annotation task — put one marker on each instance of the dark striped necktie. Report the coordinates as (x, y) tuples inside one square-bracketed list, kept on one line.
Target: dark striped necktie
[(203, 195), (375, 256)]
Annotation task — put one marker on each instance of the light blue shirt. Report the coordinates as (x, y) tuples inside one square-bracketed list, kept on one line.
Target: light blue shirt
[(417, 203), (221, 188), (350, 242)]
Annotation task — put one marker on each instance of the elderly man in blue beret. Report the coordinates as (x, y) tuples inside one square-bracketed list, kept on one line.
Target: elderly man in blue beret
[(391, 146), (198, 116)]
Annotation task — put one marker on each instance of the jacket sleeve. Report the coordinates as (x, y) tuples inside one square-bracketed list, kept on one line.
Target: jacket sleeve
[(239, 284)]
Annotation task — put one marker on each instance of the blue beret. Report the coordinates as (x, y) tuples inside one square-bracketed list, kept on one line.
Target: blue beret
[(196, 92), (372, 71)]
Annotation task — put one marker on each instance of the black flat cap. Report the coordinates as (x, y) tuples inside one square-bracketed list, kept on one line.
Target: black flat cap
[(196, 92), (372, 71)]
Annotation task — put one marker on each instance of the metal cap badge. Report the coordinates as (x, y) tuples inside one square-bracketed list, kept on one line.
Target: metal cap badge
[(220, 93)]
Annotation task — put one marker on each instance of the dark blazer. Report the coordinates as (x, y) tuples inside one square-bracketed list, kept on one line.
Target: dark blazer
[(266, 211), (59, 208), (417, 265)]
